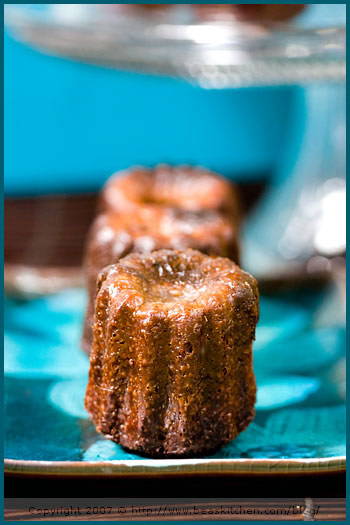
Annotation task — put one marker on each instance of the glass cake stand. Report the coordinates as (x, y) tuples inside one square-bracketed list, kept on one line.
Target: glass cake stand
[(174, 42), (222, 54)]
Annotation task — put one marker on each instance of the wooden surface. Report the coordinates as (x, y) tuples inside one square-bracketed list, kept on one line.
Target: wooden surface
[(273, 509), (47, 231)]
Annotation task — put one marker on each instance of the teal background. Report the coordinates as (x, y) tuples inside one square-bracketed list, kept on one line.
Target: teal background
[(68, 126)]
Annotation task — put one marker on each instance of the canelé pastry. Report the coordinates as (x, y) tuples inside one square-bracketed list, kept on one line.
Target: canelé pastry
[(113, 236), (184, 187), (256, 13), (250, 12), (171, 363)]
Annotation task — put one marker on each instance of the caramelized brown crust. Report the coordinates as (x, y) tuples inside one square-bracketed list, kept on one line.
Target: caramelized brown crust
[(183, 187), (171, 364), (115, 235), (164, 208)]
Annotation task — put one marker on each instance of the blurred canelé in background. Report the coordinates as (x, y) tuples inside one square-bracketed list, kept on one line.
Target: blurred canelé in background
[(251, 12), (246, 12)]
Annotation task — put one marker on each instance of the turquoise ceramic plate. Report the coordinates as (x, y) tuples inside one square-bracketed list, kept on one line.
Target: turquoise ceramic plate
[(300, 419)]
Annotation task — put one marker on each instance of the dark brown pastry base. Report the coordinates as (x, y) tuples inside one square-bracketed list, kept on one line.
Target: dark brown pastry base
[(187, 455), (171, 364)]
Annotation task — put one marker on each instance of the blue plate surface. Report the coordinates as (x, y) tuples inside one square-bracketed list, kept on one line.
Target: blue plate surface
[(300, 419)]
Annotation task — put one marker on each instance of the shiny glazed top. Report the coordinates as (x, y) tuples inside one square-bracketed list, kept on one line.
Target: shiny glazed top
[(176, 281)]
